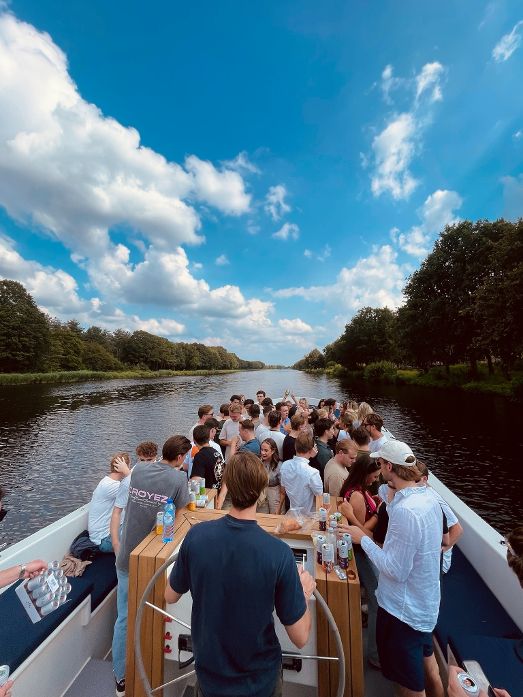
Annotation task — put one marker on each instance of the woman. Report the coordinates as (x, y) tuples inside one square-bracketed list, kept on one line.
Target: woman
[(363, 411), (360, 505), (275, 493)]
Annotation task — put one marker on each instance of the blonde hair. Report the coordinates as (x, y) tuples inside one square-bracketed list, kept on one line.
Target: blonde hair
[(363, 411), (124, 456)]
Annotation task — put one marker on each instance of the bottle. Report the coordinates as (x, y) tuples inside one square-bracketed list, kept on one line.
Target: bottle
[(168, 521), (191, 506), (331, 537), (326, 499), (4, 675), (327, 552), (323, 519), (159, 523), (343, 554), (46, 609), (320, 540), (35, 582), (44, 599)]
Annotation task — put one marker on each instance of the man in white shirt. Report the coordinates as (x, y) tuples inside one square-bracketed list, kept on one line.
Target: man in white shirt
[(262, 429), (373, 424), (408, 591), (231, 428), (274, 419), (102, 502), (204, 412), (302, 482)]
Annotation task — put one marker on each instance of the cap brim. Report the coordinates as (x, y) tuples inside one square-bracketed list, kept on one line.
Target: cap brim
[(376, 454)]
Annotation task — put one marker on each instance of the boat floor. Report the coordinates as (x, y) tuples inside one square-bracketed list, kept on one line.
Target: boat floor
[(97, 679)]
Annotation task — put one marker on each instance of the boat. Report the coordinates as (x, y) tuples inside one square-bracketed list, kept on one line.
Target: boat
[(481, 618)]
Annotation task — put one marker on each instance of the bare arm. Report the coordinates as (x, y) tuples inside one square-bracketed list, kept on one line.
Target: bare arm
[(114, 528), (282, 500), (171, 596), (455, 532), (32, 568), (355, 512), (221, 496), (299, 632)]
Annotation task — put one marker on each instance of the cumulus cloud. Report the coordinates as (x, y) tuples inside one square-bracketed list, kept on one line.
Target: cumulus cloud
[(288, 231), (508, 44), (241, 163), (275, 204), (437, 211), (295, 326), (394, 148), (222, 260), (76, 173), (375, 281)]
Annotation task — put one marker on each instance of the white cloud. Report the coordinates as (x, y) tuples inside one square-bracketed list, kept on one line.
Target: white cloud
[(437, 211), (76, 173), (287, 231), (429, 81), (241, 163), (508, 44), (513, 197), (395, 147), (389, 83), (225, 189), (253, 229), (221, 260), (275, 204), (518, 135), (294, 326), (319, 256), (375, 281)]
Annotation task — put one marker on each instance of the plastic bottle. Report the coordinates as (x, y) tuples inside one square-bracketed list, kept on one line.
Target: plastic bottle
[(168, 521), (4, 675), (44, 599), (159, 523), (331, 537)]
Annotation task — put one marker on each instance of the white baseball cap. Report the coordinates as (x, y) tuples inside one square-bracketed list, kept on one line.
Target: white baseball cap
[(397, 452)]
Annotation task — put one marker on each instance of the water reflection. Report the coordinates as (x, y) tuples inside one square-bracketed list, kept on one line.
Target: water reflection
[(56, 440)]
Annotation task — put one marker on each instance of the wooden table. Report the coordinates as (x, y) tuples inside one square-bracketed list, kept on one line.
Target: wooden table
[(343, 598)]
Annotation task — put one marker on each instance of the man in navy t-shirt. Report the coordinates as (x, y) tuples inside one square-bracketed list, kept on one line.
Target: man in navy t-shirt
[(238, 575)]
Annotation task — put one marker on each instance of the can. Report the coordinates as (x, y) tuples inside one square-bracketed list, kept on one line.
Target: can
[(202, 486), (343, 554), (35, 582), (338, 517), (159, 523), (323, 519), (327, 552), (348, 539), (4, 674), (326, 499), (320, 540)]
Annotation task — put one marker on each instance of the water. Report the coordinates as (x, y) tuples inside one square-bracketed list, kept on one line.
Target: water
[(56, 441)]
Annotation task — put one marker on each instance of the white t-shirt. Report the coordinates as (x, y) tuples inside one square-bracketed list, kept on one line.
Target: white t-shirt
[(262, 432), (375, 445), (101, 507), (278, 437), (301, 482), (230, 430)]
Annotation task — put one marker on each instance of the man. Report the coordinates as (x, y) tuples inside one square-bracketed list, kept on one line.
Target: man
[(253, 411), (260, 396), (323, 432), (246, 441), (362, 439), (302, 482), (274, 420), (204, 412), (373, 424), (408, 591), (231, 428), (208, 462), (103, 501), (337, 468), (252, 573), (152, 483), (283, 409), (212, 425), (262, 429), (298, 424)]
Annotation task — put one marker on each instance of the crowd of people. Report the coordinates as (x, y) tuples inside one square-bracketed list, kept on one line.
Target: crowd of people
[(268, 457)]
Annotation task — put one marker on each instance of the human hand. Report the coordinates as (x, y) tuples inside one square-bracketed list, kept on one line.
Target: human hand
[(456, 690), (121, 466), (32, 569), (356, 533), (5, 690), (307, 582)]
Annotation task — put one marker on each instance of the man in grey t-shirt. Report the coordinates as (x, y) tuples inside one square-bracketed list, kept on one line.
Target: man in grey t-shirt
[(152, 483)]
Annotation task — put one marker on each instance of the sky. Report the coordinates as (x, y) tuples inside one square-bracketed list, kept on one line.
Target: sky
[(248, 174)]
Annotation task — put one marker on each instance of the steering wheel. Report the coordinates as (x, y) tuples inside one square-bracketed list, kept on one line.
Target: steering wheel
[(150, 691)]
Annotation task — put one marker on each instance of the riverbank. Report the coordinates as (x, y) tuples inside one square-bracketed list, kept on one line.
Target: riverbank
[(85, 375), (457, 377)]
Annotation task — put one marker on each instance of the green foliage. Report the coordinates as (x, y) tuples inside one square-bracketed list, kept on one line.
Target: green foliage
[(84, 375), (368, 338), (24, 331), (383, 371), (314, 360)]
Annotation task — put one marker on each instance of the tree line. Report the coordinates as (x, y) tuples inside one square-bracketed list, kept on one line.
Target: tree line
[(31, 341), (464, 304)]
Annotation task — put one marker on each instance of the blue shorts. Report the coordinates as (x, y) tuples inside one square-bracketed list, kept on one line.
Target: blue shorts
[(401, 650)]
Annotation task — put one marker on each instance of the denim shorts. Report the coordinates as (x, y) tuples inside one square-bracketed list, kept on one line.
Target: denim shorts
[(401, 650)]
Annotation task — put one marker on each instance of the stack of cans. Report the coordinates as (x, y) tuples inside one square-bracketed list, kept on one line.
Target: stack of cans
[(49, 589)]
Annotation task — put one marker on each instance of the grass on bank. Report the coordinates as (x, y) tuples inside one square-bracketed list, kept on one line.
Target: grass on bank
[(458, 377), (84, 375)]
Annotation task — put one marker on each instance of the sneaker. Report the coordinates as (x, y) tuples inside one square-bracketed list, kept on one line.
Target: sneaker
[(120, 687)]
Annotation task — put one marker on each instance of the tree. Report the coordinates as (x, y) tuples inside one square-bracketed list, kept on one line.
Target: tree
[(369, 337), (24, 330), (96, 357)]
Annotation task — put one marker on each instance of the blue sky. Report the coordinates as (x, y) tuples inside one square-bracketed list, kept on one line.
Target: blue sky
[(248, 174)]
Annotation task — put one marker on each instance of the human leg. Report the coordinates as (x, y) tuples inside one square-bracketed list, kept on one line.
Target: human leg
[(370, 582), (433, 684), (120, 627)]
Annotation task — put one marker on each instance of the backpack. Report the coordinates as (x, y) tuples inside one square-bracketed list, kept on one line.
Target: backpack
[(83, 548)]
